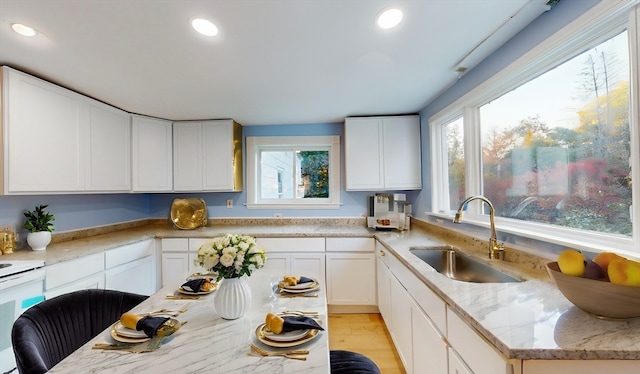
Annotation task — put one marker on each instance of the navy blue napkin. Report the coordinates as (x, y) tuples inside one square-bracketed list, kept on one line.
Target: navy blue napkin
[(150, 324), (292, 323), (305, 280), (193, 285)]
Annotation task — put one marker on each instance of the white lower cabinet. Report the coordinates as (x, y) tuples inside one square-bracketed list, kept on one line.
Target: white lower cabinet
[(175, 260), (82, 273), (131, 268), (351, 271), (384, 291), (293, 256), (134, 277), (401, 323), (429, 347), (456, 365), (429, 337)]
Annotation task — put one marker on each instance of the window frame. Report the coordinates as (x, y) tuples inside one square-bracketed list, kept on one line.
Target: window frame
[(600, 23), (255, 144)]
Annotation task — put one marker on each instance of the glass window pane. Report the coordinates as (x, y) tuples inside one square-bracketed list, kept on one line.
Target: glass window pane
[(282, 175), (455, 163), (556, 150)]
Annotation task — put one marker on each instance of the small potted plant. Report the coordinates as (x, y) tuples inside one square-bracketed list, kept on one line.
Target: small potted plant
[(39, 226)]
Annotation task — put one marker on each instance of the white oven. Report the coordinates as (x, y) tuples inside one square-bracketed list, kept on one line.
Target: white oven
[(21, 286)]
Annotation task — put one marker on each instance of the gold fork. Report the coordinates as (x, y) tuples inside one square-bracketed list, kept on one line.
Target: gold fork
[(295, 354)]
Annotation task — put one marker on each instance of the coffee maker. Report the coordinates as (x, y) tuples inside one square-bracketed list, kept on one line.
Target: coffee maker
[(387, 211)]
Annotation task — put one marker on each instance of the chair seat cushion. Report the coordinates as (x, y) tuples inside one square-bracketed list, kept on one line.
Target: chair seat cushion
[(352, 363)]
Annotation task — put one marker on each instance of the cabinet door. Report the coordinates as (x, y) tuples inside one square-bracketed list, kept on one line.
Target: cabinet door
[(45, 132), (384, 293), (136, 277), (479, 355), (219, 168), (456, 365), (401, 323), (152, 155), (109, 163), (309, 265), (175, 268), (429, 348), (187, 156), (351, 278), (363, 154), (402, 156)]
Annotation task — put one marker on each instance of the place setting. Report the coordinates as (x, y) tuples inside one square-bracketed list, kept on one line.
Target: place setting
[(196, 286), (294, 286), (138, 333), (287, 330)]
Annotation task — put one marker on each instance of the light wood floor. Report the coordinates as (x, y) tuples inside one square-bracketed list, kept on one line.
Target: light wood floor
[(366, 334)]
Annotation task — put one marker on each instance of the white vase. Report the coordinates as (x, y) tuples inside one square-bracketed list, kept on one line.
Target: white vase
[(233, 298), (38, 241)]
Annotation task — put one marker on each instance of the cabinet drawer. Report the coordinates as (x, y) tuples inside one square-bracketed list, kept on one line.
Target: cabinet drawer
[(291, 244), (128, 253), (69, 271), (429, 302), (175, 244), (350, 244)]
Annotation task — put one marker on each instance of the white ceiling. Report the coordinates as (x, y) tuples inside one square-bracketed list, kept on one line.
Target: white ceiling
[(273, 62)]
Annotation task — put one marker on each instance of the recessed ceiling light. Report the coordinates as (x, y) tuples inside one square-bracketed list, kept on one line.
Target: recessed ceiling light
[(389, 18), (204, 27), (23, 29)]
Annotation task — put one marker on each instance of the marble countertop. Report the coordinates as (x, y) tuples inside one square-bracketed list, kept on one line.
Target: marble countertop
[(209, 343), (526, 320)]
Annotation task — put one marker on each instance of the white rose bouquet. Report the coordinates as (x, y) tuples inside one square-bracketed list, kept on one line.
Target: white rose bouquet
[(231, 256)]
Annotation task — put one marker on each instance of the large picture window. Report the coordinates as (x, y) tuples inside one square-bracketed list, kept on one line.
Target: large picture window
[(550, 139), (556, 149)]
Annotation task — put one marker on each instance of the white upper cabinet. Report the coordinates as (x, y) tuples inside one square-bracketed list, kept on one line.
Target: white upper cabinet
[(57, 141), (151, 150), (43, 134), (207, 156), (383, 153), (109, 162)]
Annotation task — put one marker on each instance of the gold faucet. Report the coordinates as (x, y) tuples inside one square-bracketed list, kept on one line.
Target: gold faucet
[(496, 251)]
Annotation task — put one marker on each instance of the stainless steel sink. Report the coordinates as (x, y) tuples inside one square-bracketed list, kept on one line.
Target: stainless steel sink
[(456, 265)]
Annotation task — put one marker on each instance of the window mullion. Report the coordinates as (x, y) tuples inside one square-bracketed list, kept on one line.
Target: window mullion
[(473, 156)]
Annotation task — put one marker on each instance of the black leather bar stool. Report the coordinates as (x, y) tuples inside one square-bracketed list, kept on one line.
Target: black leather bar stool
[(48, 332), (346, 362)]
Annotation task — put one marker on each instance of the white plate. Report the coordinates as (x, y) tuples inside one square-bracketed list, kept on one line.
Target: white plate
[(285, 336), (185, 292), (301, 286), (127, 332), (123, 339), (260, 334), (315, 287)]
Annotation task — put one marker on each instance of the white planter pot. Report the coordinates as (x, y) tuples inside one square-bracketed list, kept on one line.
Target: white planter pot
[(38, 241), (233, 298)]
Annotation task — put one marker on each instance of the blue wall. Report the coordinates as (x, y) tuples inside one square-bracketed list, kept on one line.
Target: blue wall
[(82, 211)]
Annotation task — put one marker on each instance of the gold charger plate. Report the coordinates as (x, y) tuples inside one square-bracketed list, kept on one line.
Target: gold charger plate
[(261, 335), (189, 213)]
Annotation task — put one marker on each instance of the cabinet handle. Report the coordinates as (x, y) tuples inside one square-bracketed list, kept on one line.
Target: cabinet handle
[(382, 253)]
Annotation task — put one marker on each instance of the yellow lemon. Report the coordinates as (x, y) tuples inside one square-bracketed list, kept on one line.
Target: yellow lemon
[(572, 262)]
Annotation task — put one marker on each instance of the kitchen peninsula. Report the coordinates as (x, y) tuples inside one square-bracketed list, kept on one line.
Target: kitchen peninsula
[(529, 325), (207, 343)]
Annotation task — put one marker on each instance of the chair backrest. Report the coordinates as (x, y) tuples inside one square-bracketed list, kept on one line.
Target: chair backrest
[(48, 332)]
